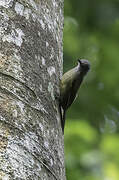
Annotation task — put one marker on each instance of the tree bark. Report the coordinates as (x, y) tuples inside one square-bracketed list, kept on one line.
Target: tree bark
[(31, 140)]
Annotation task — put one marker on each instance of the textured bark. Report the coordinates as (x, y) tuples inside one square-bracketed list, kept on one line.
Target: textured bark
[(31, 141)]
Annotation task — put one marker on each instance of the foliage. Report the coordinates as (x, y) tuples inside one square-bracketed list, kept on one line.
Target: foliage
[(91, 31)]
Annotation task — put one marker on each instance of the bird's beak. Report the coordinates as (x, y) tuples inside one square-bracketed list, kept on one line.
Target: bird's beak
[(79, 62)]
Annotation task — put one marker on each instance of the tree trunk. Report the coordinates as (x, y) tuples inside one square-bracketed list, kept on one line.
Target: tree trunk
[(31, 140)]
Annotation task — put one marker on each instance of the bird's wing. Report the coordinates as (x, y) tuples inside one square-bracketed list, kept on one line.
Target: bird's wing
[(72, 95), (63, 109)]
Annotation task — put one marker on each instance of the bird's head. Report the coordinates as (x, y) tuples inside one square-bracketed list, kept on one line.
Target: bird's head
[(84, 65)]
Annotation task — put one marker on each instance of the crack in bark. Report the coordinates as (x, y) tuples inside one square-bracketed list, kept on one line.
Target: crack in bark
[(18, 81), (8, 92)]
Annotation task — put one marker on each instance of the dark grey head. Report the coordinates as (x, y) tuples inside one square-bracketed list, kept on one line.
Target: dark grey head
[(84, 65)]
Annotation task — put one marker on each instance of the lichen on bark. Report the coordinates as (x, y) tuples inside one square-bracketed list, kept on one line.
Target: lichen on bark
[(30, 70)]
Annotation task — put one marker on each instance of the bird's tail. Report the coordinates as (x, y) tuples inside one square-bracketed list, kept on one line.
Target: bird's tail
[(62, 117), (63, 121)]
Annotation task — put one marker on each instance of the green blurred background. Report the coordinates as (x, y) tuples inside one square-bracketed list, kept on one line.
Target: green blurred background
[(91, 31)]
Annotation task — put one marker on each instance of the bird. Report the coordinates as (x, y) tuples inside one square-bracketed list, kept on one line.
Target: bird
[(69, 86)]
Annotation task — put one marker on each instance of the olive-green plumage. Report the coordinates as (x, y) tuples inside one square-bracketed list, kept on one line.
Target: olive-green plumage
[(69, 86)]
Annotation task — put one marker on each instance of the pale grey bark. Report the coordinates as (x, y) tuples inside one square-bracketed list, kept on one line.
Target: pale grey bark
[(31, 140)]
